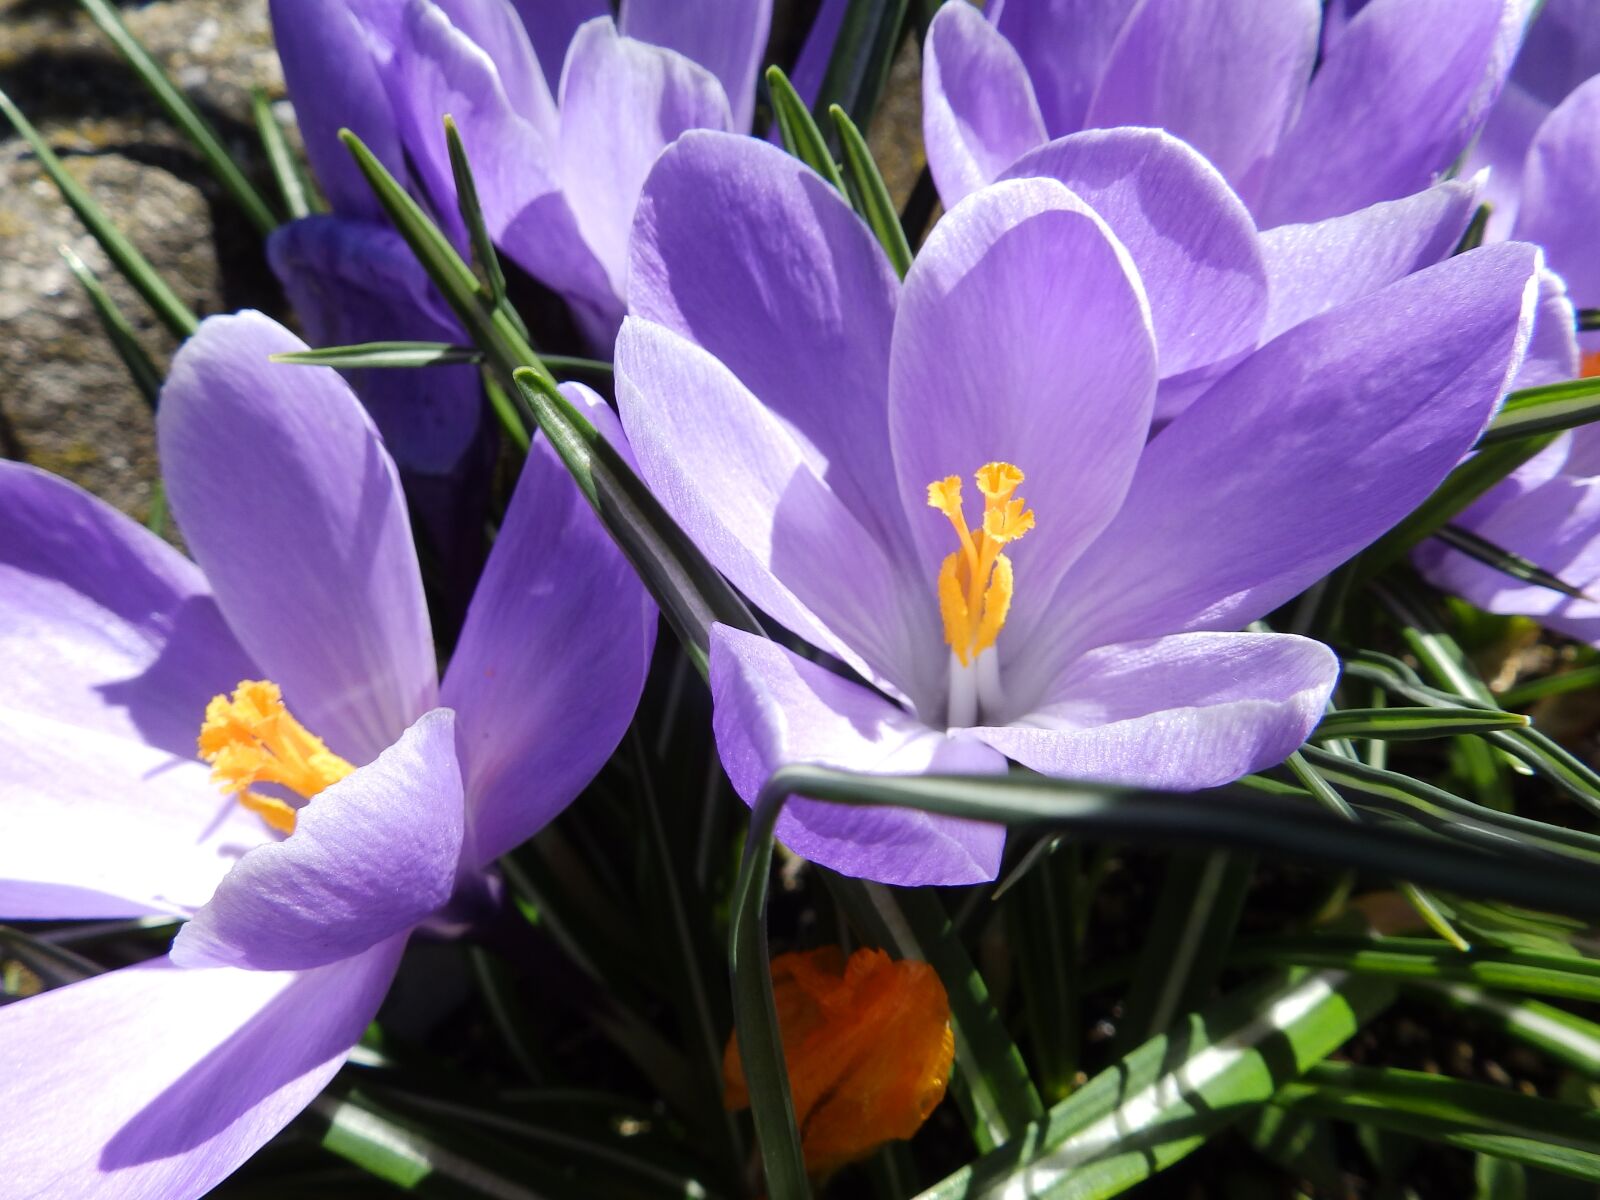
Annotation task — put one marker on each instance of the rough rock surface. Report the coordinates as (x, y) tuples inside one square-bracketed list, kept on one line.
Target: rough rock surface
[(67, 403)]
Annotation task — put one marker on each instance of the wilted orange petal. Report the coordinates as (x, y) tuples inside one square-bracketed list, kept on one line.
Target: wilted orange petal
[(868, 1047)]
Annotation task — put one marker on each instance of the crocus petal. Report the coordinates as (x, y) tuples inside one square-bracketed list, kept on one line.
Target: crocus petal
[(1303, 454), (1395, 102), (1225, 76), (740, 248), (772, 708), (551, 25), (742, 485), (1502, 147), (99, 825), (1191, 238), (979, 114), (438, 70), (154, 1081), (1192, 710), (1561, 193), (1555, 525), (333, 63), (369, 858), (622, 102), (1553, 351), (1323, 264), (552, 660), (103, 625), (727, 37), (495, 27), (1065, 44), (356, 281), (292, 508), (812, 66), (1024, 328)]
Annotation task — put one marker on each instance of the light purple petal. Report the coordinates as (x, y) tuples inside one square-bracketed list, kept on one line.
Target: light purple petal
[(622, 102), (740, 248), (1323, 264), (552, 660), (1065, 44), (290, 504), (157, 1082), (1561, 193), (1191, 238), (1193, 710), (773, 709), (1555, 525), (735, 477), (102, 624), (1023, 336), (1395, 102), (355, 281), (99, 825), (727, 37), (1226, 76), (333, 63), (370, 857), (1553, 351), (495, 27), (979, 114), (440, 70), (551, 25), (1502, 147), (1304, 454)]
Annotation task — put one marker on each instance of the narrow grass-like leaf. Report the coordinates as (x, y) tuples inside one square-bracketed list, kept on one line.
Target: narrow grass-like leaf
[(369, 355), (1042, 918), (1580, 679), (1566, 1037), (1505, 561), (485, 262), (1509, 969), (1542, 410), (174, 313), (755, 1012), (991, 1082), (1411, 724), (1235, 819), (692, 595), (863, 53), (1588, 320), (118, 329), (184, 114), (1159, 1103), (1548, 1134), (55, 965), (870, 194), (1197, 912), (291, 180), (1450, 815), (1460, 488), (801, 137)]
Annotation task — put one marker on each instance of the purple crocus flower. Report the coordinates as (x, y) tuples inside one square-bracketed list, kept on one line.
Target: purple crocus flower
[(118, 648), (1392, 104), (798, 409), (562, 112), (1548, 510)]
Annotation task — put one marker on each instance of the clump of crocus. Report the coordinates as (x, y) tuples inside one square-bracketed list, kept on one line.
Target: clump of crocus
[(347, 794), (868, 1047), (1303, 127), (796, 407)]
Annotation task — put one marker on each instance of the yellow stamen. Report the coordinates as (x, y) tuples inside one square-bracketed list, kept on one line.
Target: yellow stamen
[(975, 585), (252, 738), (868, 1046)]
